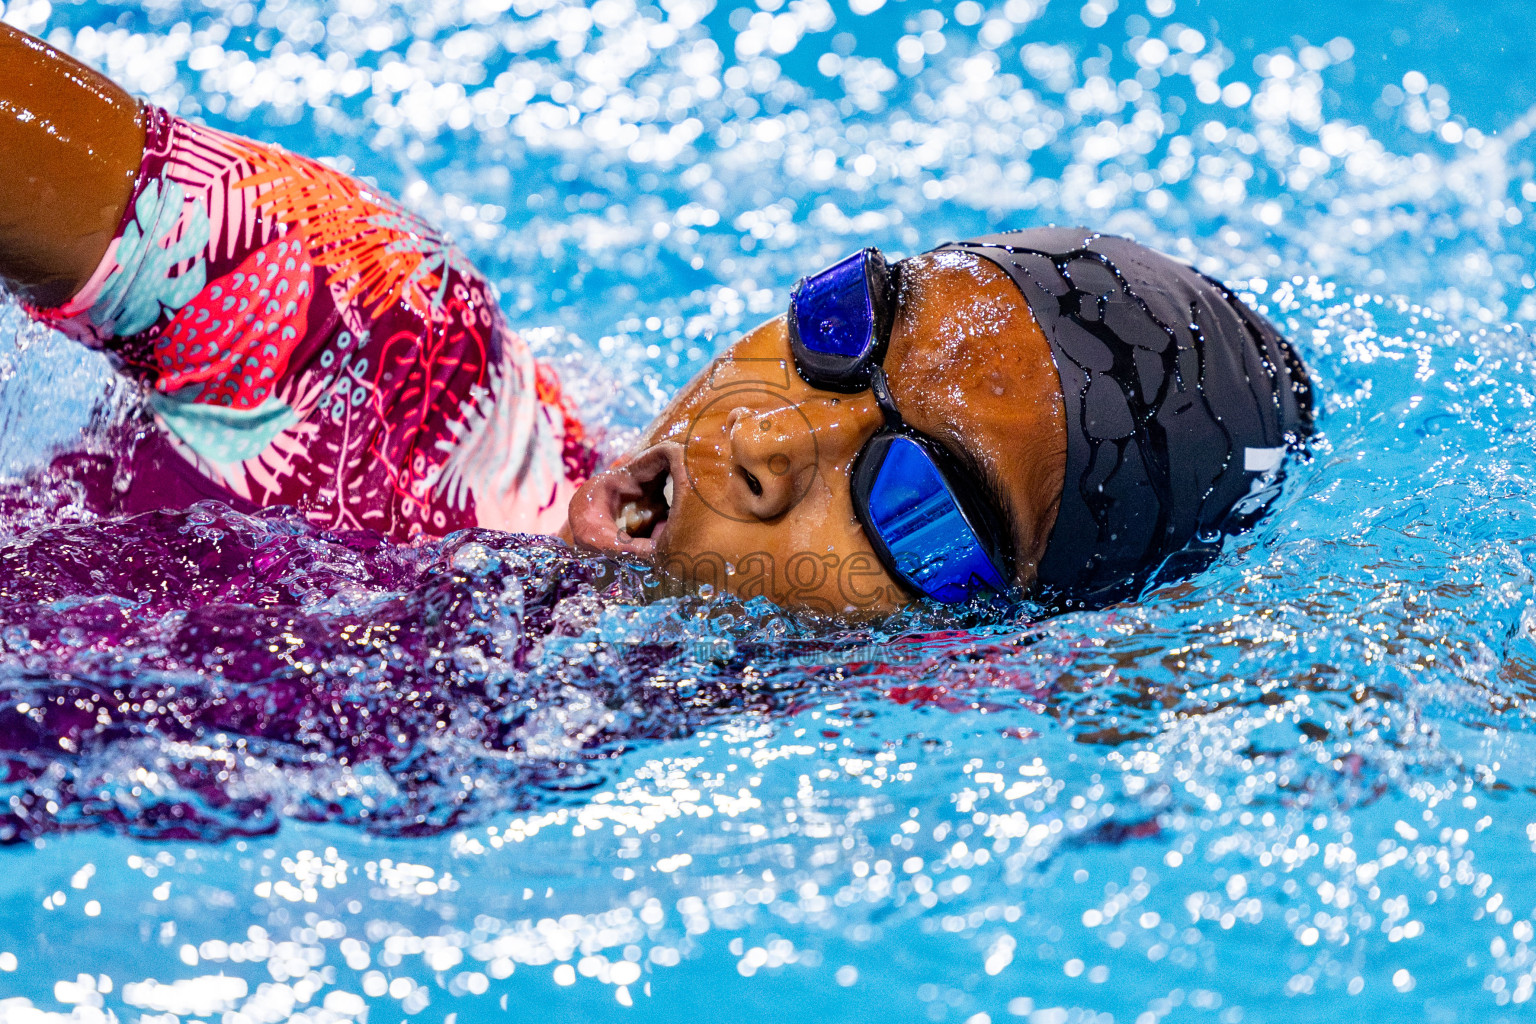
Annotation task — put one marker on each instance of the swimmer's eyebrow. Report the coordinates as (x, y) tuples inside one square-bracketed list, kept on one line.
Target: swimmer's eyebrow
[(995, 494)]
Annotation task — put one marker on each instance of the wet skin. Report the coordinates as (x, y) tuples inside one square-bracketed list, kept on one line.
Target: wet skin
[(71, 142), (758, 459)]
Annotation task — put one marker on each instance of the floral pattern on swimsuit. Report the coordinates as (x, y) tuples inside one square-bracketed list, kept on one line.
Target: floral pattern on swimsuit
[(307, 341)]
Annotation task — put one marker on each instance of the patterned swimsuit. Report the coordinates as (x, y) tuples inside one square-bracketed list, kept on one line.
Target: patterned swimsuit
[(306, 341)]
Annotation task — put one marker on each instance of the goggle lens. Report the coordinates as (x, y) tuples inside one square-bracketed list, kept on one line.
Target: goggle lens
[(834, 312), (921, 524)]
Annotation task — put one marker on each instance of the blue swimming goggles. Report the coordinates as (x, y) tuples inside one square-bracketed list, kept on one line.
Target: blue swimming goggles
[(923, 511)]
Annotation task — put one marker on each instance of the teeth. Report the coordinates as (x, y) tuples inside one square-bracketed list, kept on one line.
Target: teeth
[(633, 518), (666, 490)]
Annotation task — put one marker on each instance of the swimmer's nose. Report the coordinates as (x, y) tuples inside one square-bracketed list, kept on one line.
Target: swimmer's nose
[(773, 460)]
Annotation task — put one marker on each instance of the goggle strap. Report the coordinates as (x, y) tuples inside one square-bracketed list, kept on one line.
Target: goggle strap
[(882, 392)]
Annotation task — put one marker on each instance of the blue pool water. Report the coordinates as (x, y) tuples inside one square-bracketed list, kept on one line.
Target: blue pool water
[(485, 780)]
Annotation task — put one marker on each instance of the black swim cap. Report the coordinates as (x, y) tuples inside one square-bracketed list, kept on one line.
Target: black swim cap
[(1180, 402)]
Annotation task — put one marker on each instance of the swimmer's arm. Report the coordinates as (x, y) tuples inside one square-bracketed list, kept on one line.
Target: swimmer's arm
[(70, 146)]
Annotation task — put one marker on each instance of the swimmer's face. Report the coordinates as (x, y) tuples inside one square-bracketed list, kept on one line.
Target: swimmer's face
[(742, 483)]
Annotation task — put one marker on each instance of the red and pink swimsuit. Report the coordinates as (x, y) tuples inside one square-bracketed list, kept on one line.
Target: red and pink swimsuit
[(306, 341)]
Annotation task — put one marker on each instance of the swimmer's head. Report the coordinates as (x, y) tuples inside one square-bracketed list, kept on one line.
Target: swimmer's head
[(746, 482)]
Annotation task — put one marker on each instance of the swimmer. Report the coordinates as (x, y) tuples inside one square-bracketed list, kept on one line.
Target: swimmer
[(1051, 412)]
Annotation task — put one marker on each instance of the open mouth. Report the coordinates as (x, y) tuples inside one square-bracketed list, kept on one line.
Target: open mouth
[(625, 510), (642, 516)]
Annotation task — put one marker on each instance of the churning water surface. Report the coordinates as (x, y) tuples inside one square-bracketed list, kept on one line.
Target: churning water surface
[(254, 773)]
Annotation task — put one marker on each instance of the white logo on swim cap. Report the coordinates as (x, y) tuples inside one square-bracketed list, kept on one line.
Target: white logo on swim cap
[(1262, 460)]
